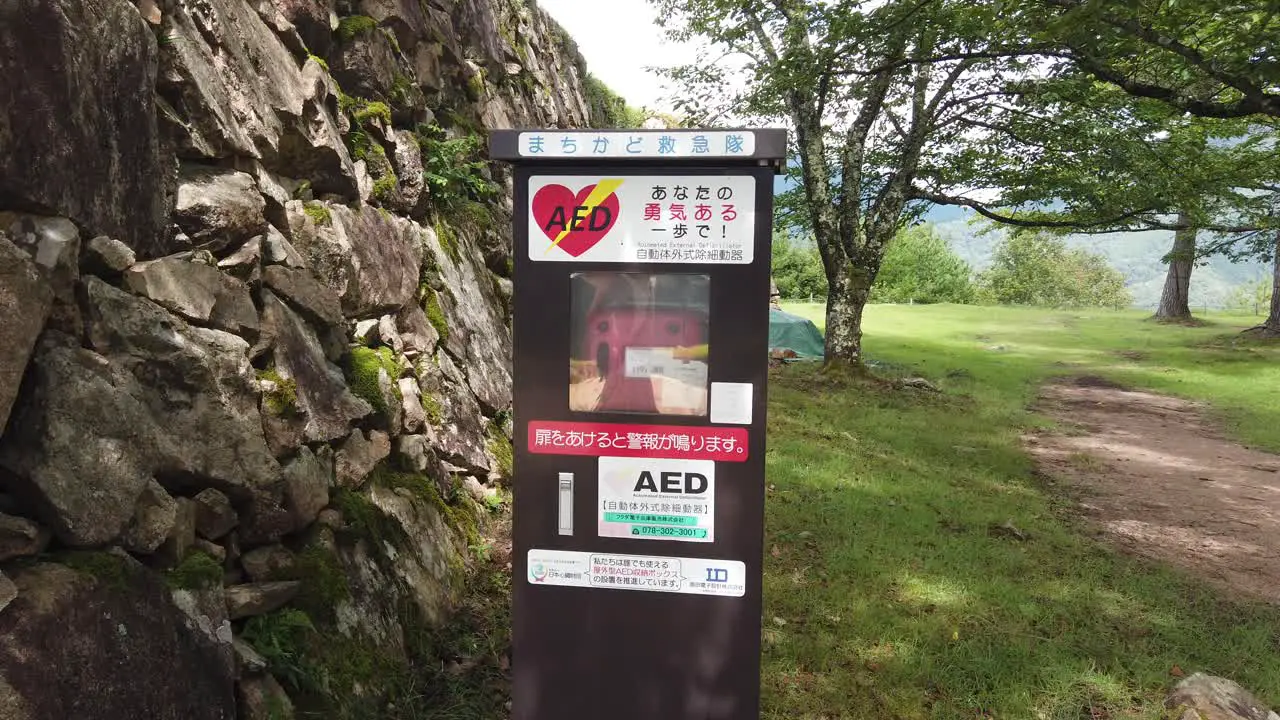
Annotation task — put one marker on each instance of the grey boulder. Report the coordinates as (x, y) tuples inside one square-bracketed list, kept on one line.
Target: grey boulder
[(1206, 697), (306, 485), (369, 259), (328, 405), (218, 208), (85, 470), (78, 648), (87, 146), (25, 302), (197, 292), (359, 455), (198, 385), (269, 562), (262, 698), (153, 520), (20, 537), (253, 599), (105, 257), (215, 516), (304, 292)]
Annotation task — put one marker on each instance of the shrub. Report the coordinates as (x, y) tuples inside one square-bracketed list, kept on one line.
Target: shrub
[(454, 168), (1036, 268), (797, 269), (920, 267)]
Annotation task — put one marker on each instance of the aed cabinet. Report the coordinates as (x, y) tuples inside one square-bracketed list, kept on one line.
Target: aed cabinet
[(640, 329)]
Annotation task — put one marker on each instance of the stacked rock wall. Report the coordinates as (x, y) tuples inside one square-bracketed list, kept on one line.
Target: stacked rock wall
[(254, 344)]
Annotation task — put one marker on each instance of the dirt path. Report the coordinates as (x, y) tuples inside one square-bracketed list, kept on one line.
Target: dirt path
[(1162, 483)]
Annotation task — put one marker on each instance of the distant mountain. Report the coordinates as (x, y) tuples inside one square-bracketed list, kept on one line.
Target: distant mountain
[(1137, 255)]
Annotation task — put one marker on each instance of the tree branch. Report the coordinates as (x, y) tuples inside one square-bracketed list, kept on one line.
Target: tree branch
[(1160, 40), (1266, 104), (1037, 51), (854, 152), (762, 36), (947, 86), (1123, 222)]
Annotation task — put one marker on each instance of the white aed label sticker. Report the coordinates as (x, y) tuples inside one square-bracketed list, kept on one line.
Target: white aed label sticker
[(657, 499), (690, 576)]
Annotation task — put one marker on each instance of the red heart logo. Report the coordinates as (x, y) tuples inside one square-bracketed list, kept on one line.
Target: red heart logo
[(556, 208)]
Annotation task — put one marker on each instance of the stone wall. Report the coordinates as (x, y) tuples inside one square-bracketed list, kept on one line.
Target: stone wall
[(254, 344)]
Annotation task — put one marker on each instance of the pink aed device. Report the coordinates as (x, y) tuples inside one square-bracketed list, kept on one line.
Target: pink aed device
[(611, 330)]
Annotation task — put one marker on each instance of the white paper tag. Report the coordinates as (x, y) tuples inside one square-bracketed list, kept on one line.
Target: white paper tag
[(731, 403), (646, 362)]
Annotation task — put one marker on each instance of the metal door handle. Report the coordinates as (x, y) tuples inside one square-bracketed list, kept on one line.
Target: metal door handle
[(566, 503)]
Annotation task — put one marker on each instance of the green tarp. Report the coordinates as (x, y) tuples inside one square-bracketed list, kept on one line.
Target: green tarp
[(792, 332)]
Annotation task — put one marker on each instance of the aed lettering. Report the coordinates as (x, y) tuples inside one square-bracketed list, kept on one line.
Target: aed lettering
[(598, 218), (691, 484)]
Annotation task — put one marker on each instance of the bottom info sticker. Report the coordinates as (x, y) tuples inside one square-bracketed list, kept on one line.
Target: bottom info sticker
[(692, 576), (657, 499)]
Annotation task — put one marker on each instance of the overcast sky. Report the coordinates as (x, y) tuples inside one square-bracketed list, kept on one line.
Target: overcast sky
[(619, 38)]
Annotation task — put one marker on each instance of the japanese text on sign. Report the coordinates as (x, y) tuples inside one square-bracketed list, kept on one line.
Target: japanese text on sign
[(693, 576), (675, 143), (667, 219), (672, 441)]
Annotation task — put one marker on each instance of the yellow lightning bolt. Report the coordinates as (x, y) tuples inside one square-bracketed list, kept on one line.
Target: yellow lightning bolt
[(603, 190)]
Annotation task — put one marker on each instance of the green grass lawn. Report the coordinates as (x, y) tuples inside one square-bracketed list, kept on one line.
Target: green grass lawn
[(886, 594)]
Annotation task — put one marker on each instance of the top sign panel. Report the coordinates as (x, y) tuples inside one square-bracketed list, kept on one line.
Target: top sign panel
[(685, 144)]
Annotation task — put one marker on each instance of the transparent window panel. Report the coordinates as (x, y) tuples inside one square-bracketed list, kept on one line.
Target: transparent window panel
[(639, 343)]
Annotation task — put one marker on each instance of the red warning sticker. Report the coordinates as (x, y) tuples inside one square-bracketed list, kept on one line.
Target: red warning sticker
[(547, 437)]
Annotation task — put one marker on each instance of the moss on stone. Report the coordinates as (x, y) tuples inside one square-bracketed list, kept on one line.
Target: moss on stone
[(401, 91), (364, 148), (384, 188), (319, 61), (428, 276), (277, 710), (197, 571), (324, 582), (435, 315), (283, 399), (393, 40), (501, 450), (318, 213), (348, 675), (347, 103), (360, 678), (448, 240), (350, 27), (373, 110), (475, 85), (361, 367), (106, 568), (431, 403), (456, 515), (364, 520), (476, 214)]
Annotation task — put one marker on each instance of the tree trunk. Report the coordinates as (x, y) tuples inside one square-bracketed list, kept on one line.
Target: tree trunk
[(848, 289), (1175, 300), (1271, 328)]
